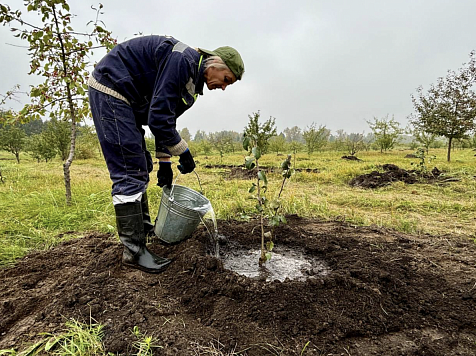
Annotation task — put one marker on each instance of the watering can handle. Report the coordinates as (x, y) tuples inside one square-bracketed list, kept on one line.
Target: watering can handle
[(173, 185)]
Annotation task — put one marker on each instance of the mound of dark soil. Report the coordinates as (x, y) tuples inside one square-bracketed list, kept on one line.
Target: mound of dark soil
[(240, 172), (351, 158), (392, 173), (386, 294)]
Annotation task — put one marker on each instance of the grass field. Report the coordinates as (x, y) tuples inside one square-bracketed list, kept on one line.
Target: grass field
[(33, 213)]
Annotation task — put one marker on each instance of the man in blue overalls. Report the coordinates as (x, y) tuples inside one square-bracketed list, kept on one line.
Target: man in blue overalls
[(149, 80)]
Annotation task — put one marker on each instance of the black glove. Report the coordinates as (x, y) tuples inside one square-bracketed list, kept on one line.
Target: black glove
[(165, 174), (187, 164)]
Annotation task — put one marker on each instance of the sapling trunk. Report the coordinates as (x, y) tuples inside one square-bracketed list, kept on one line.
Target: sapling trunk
[(262, 258), (255, 141)]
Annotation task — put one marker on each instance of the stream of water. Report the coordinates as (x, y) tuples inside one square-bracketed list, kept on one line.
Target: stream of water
[(207, 215)]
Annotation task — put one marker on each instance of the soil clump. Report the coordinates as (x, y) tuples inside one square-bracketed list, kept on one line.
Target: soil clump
[(386, 293), (392, 173), (351, 158)]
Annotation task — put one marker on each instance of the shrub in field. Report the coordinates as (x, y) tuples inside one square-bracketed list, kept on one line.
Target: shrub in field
[(40, 147), (386, 132), (277, 144), (222, 141), (260, 133), (315, 137), (421, 165), (255, 139), (12, 139)]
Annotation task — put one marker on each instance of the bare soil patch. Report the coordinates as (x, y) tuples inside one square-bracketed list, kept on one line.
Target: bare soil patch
[(386, 293), (240, 172), (351, 158), (392, 173)]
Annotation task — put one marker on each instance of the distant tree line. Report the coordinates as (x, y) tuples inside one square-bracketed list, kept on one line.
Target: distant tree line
[(45, 140)]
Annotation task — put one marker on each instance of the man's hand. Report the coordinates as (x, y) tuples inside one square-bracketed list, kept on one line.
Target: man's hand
[(165, 174), (187, 164)]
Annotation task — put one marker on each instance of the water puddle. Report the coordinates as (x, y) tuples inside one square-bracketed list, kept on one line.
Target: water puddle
[(285, 263)]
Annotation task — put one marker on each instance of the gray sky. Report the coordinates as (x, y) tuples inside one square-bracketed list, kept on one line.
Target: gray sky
[(336, 63)]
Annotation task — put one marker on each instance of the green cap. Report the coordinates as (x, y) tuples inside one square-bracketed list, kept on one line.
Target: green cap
[(231, 57)]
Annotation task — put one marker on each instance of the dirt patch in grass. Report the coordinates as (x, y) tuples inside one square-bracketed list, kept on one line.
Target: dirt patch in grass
[(240, 172), (392, 173), (386, 293), (351, 158)]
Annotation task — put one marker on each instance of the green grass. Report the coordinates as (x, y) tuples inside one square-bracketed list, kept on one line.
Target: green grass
[(34, 215), (77, 340), (80, 339)]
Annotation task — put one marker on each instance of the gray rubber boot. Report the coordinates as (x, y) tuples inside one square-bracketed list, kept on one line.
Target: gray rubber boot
[(130, 227), (148, 226)]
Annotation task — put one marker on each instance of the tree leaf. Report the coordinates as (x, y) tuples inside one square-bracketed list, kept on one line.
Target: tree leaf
[(274, 204), (262, 176), (249, 164), (256, 152), (246, 143), (269, 246), (274, 221)]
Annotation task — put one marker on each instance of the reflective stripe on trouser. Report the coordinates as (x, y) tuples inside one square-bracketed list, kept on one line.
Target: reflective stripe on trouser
[(122, 142)]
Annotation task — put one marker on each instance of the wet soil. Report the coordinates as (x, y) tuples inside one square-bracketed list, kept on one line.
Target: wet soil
[(385, 293), (392, 173)]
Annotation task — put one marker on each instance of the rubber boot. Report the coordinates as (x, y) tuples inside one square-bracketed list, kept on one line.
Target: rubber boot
[(148, 226), (131, 233)]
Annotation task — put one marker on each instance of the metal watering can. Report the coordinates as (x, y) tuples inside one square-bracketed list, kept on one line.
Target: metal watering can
[(181, 210)]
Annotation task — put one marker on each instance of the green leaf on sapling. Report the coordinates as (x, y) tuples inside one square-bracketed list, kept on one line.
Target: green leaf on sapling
[(249, 164), (274, 204), (246, 143), (262, 176), (269, 246), (274, 221)]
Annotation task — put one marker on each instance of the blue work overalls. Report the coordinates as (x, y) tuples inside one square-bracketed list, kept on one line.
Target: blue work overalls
[(149, 80)]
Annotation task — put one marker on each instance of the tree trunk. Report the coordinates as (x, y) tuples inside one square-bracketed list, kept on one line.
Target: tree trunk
[(72, 113), (17, 156), (448, 157), (69, 161)]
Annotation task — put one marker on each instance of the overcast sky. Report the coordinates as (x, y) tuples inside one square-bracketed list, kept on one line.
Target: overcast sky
[(335, 63)]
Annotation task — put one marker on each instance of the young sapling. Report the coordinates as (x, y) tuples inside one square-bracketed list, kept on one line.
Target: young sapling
[(255, 142)]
